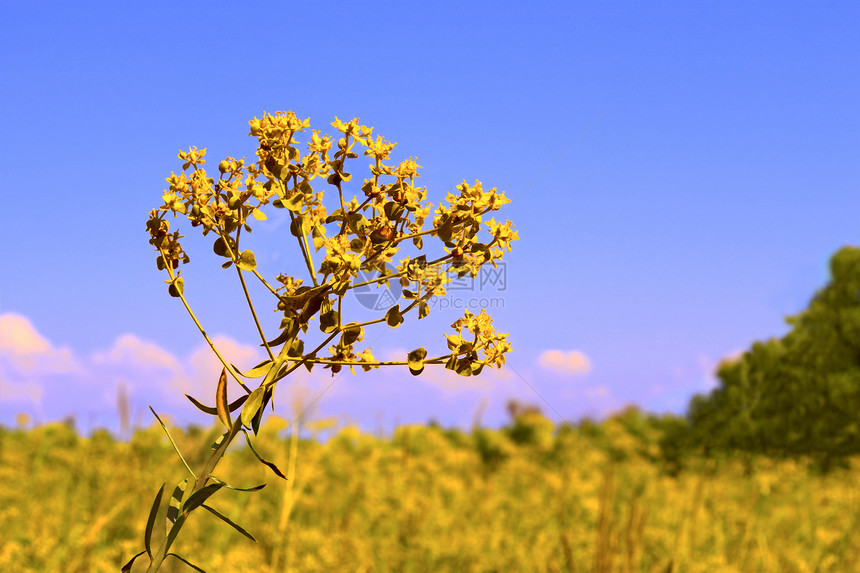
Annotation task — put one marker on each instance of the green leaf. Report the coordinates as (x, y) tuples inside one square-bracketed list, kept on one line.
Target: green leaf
[(454, 341), (297, 348), (416, 361), (313, 303), (150, 522), (255, 421), (296, 227), (409, 295), (213, 411), (340, 287), (285, 335), (224, 248), (271, 466), (351, 333), (463, 367), (328, 321), (393, 211), (356, 222), (247, 262), (186, 561), (423, 310), (254, 403), (221, 405), (175, 505), (319, 242), (127, 567), (445, 230), (393, 318), (175, 447), (295, 202), (176, 287), (198, 497), (229, 522), (227, 265), (228, 486), (258, 215), (257, 371)]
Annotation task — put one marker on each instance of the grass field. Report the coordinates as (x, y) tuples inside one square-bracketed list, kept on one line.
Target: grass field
[(530, 497)]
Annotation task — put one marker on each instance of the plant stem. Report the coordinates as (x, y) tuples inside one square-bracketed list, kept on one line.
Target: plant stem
[(201, 482), (254, 313), (203, 332)]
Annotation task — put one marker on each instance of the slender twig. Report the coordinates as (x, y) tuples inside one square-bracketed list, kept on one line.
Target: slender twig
[(303, 245), (267, 285), (203, 332), (254, 314), (251, 302)]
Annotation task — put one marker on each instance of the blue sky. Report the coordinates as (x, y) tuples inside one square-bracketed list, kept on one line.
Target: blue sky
[(681, 173)]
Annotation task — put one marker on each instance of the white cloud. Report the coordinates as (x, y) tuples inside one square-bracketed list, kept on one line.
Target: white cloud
[(26, 351), (17, 335), (571, 362), (129, 349), (55, 382)]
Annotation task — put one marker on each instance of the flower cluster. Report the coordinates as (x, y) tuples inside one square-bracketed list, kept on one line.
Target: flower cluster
[(362, 233), (466, 354)]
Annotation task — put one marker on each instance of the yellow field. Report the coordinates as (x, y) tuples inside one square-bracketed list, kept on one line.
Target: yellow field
[(532, 498)]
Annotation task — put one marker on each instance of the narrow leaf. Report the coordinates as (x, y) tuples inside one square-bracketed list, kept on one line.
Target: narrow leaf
[(187, 562), (285, 335), (258, 417), (213, 411), (229, 522), (176, 501), (201, 495), (228, 486), (147, 535), (260, 369), (255, 401), (221, 404), (127, 567), (272, 466), (175, 447)]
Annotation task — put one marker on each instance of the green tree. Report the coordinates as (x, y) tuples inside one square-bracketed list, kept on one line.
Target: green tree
[(798, 395)]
